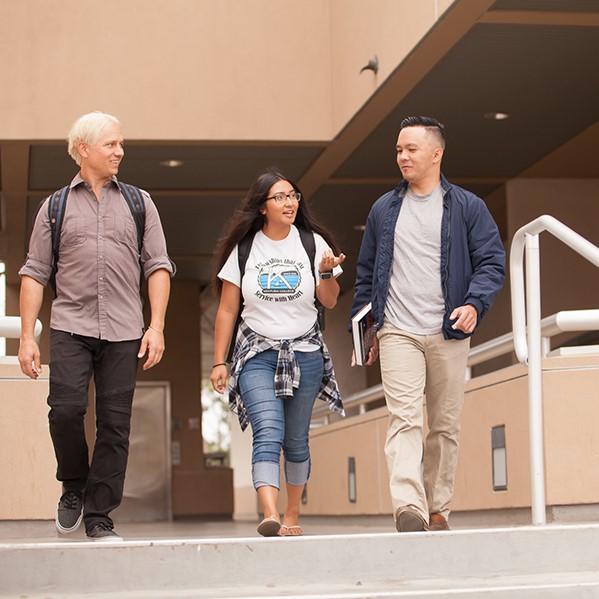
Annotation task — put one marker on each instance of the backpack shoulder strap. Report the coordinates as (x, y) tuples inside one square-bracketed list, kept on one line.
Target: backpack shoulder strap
[(137, 206), (307, 238), (57, 205), (244, 248), (56, 209), (243, 253), (309, 243)]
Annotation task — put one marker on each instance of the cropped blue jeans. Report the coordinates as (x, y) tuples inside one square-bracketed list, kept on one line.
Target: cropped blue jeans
[(280, 423)]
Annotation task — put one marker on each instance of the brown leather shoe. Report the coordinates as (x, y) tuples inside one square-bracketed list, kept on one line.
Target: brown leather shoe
[(407, 519), (438, 522)]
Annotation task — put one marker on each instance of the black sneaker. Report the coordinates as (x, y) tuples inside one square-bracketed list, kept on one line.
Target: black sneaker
[(69, 512), (100, 531)]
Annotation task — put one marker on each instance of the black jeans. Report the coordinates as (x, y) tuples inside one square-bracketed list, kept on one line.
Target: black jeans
[(73, 360)]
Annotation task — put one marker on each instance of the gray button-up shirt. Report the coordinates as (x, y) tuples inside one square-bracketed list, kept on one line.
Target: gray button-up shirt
[(98, 275)]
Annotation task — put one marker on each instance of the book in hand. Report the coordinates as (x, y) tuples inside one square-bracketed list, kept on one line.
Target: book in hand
[(363, 333)]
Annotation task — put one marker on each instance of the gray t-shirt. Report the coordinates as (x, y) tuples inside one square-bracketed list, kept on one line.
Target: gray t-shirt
[(415, 301)]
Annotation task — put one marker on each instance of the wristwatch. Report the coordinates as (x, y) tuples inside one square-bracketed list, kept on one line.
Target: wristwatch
[(326, 275)]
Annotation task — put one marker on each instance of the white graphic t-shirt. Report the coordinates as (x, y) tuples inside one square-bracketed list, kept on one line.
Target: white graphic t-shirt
[(277, 286)]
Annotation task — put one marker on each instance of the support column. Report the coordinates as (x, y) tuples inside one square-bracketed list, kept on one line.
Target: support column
[(14, 166)]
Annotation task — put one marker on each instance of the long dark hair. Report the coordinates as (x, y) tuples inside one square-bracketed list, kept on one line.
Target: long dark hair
[(248, 220)]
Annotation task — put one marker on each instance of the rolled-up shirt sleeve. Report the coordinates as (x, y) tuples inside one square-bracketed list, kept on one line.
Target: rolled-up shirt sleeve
[(154, 255), (39, 262)]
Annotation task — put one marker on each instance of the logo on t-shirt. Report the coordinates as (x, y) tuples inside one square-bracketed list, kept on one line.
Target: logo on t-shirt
[(280, 279)]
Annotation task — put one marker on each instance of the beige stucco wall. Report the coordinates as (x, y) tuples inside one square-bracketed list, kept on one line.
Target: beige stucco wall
[(362, 29), (186, 69), (28, 467), (493, 400), (571, 444), (571, 438), (201, 69), (363, 439)]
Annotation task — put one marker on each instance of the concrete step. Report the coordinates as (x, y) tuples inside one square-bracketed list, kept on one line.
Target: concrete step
[(549, 561)]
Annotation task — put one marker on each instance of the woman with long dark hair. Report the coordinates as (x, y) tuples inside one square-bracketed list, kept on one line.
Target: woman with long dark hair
[(280, 363)]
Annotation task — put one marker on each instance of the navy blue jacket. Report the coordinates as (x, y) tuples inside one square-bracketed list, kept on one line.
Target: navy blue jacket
[(472, 255)]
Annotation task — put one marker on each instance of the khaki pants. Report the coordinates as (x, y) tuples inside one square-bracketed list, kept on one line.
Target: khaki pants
[(410, 366)]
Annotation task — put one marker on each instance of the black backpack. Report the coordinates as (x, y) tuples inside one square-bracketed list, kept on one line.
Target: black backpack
[(243, 252), (57, 207)]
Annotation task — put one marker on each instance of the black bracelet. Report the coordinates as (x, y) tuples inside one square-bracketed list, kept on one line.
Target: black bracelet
[(219, 364)]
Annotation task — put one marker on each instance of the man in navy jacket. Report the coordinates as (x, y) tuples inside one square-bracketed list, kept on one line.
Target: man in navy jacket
[(431, 263)]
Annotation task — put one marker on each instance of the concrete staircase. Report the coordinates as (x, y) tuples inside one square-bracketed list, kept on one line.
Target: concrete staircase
[(553, 561)]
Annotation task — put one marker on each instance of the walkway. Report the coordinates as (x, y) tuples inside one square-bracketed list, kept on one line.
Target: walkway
[(341, 559)]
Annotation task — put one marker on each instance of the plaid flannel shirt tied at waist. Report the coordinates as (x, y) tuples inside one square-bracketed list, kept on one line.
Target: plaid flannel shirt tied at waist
[(287, 375)]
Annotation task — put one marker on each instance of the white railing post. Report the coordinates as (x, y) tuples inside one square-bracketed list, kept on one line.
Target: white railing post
[(526, 322), (535, 379)]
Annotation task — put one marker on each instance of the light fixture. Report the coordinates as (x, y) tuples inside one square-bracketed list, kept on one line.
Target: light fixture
[(171, 163), (351, 480), (497, 116), (372, 65), (359, 227), (499, 458)]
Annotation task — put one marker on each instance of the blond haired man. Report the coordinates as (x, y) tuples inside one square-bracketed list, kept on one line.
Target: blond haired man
[(96, 324)]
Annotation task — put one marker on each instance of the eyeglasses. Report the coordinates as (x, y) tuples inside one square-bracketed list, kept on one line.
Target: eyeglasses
[(281, 198)]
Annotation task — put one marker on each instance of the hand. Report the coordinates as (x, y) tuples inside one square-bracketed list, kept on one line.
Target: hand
[(373, 354), (467, 317), (329, 261), (153, 343), (218, 378), (29, 358)]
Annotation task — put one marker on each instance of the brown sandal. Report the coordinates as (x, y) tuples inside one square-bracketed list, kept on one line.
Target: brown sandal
[(269, 527)]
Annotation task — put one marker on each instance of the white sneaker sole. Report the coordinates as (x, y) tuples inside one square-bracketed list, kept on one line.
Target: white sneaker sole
[(68, 531)]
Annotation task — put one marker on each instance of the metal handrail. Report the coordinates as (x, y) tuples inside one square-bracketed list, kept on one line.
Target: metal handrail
[(10, 327), (526, 322), (560, 322), (530, 232), (321, 413)]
